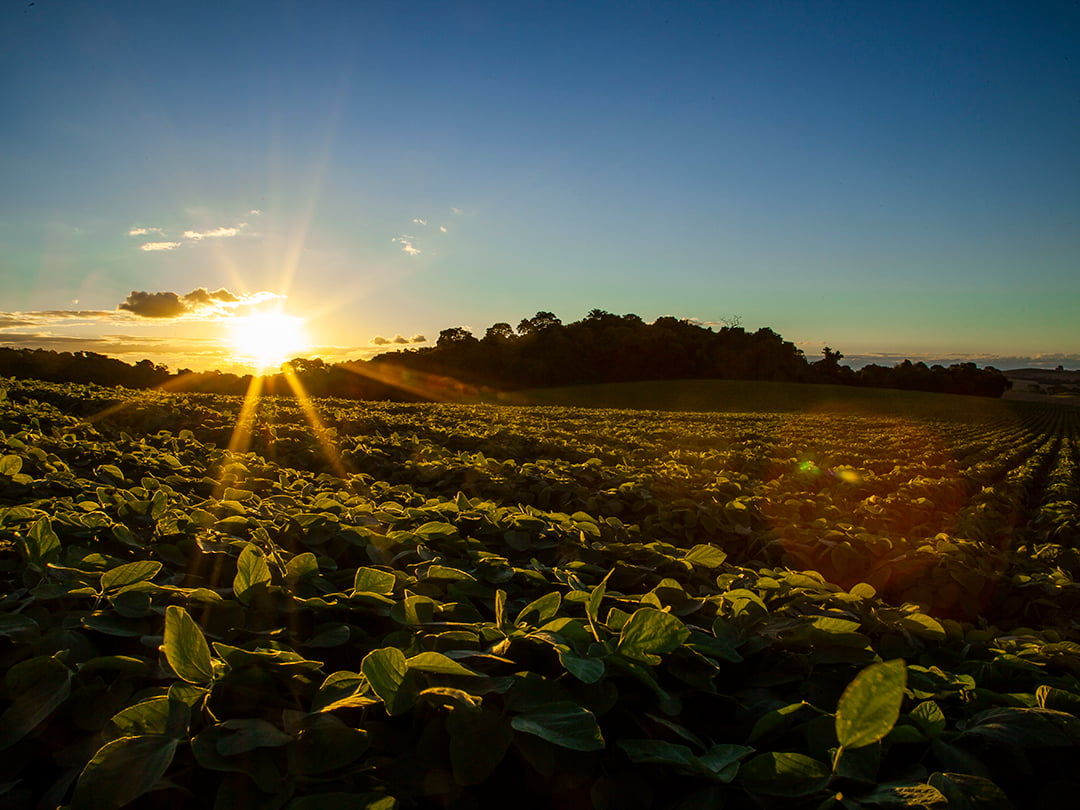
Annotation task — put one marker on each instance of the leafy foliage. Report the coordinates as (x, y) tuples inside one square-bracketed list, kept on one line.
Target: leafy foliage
[(573, 608)]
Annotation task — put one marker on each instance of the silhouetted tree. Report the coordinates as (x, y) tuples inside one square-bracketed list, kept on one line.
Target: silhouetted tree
[(537, 323)]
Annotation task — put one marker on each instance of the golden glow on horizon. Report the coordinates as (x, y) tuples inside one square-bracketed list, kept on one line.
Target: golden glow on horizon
[(266, 340)]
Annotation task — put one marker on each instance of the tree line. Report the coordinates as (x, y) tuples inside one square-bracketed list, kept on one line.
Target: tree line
[(605, 348), (539, 352)]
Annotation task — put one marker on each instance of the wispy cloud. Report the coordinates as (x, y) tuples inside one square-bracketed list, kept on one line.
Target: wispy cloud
[(189, 235), (62, 319), (419, 221), (442, 228), (216, 233), (407, 245)]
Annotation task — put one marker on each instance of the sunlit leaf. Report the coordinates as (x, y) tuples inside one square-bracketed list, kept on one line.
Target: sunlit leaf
[(185, 647), (870, 705), (385, 670), (252, 573), (649, 632), (129, 574)]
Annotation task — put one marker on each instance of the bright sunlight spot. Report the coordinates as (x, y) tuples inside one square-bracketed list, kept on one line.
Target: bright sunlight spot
[(268, 339)]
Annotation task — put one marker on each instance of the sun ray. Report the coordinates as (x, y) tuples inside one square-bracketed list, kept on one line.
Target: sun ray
[(322, 436), (240, 440)]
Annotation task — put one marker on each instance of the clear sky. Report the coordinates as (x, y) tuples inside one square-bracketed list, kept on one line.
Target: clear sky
[(894, 178)]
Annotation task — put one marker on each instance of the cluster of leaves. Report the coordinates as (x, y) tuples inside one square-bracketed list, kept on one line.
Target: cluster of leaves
[(189, 625)]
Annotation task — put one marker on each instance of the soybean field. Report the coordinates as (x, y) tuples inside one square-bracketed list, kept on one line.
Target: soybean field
[(290, 603)]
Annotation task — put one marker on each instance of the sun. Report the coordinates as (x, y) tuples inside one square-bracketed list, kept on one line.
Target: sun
[(265, 340)]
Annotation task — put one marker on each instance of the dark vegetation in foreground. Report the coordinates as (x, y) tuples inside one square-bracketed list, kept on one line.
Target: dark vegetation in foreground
[(457, 606), (541, 352)]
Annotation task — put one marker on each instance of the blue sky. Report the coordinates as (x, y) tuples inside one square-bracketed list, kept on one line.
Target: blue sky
[(897, 179)]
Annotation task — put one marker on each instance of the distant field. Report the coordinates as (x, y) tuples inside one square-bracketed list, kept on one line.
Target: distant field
[(743, 396)]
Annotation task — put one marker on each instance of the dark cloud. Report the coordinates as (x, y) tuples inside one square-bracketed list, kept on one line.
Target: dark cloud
[(154, 305), (398, 339), (171, 305), (205, 298)]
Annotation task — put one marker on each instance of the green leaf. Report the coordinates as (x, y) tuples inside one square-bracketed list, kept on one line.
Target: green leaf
[(545, 607), (147, 718), (330, 635), (372, 580), (385, 670), (300, 566), (41, 545), (870, 705), (10, 465), (110, 473), (592, 608), (341, 689), (252, 573), (706, 555), (563, 723), (586, 669), (251, 733), (784, 774), (129, 574), (123, 770), (446, 572), (929, 719), (1050, 697), (37, 687), (1025, 728), (923, 626), (185, 647), (965, 791), (438, 663), (650, 631)]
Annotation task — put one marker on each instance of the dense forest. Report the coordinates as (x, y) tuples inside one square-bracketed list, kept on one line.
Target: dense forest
[(541, 352)]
